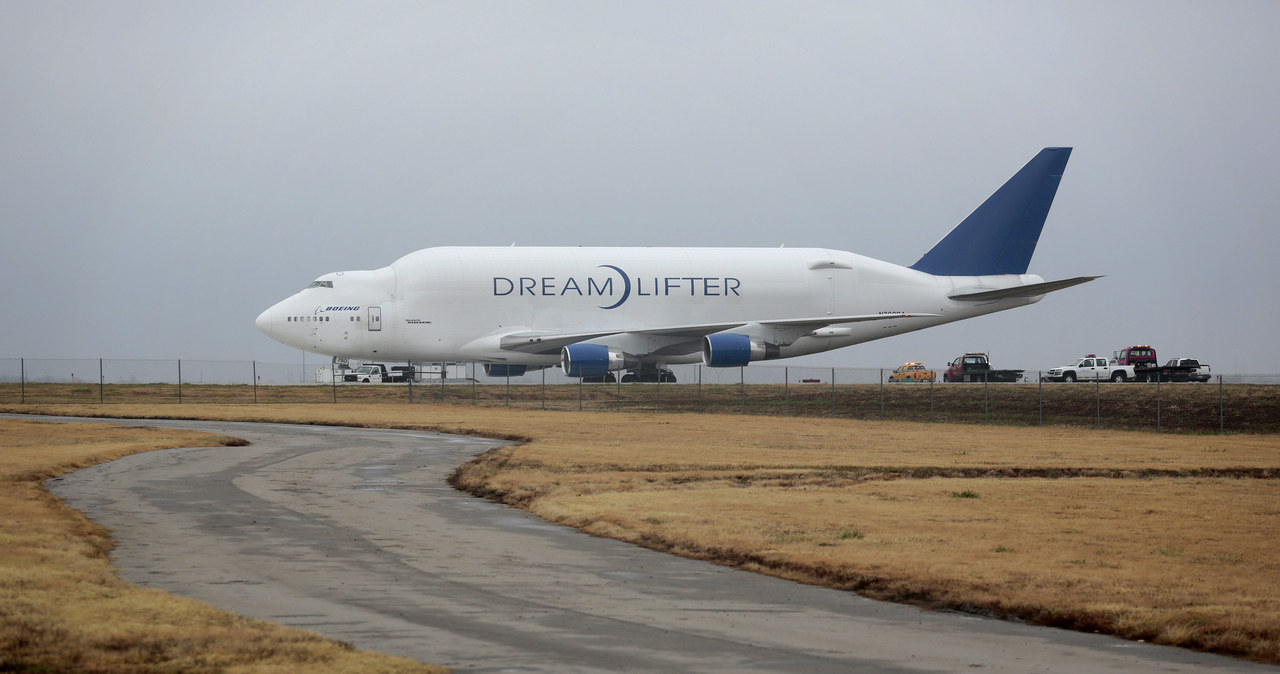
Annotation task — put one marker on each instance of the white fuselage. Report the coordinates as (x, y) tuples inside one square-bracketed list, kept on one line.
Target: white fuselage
[(457, 304)]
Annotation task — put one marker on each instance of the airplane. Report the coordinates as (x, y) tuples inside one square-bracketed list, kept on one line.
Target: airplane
[(595, 312)]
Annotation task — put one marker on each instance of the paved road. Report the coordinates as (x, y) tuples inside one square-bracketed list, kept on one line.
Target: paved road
[(354, 534)]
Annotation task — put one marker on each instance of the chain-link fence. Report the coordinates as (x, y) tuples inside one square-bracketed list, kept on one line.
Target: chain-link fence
[(1232, 403)]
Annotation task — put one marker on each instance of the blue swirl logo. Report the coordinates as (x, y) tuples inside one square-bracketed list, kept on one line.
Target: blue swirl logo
[(626, 286)]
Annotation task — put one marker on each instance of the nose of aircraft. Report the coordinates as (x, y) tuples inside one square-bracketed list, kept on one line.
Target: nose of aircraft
[(264, 322)]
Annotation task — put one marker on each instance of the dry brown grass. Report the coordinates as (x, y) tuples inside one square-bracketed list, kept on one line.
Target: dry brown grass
[(63, 609), (1168, 538), (1181, 407)]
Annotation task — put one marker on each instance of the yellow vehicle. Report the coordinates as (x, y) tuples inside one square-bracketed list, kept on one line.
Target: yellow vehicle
[(912, 372)]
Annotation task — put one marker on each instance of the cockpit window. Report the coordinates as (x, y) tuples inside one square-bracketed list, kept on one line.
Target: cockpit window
[(321, 284)]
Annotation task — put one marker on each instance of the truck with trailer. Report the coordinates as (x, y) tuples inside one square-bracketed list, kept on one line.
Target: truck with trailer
[(402, 374), (975, 366), (1132, 363), (1142, 357)]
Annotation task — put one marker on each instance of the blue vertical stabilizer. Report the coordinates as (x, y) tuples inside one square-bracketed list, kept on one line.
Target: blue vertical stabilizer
[(1001, 234)]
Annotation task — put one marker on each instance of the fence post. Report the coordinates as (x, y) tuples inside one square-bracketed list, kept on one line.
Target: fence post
[(444, 374), (659, 389), (1221, 409), (333, 384), (1097, 387), (742, 389), (1158, 419), (833, 391), (1040, 383), (179, 381), (544, 386), (986, 399), (255, 382), (101, 394), (881, 394), (579, 391), (22, 363), (473, 383), (508, 387), (699, 388), (931, 382), (617, 380), (786, 388)]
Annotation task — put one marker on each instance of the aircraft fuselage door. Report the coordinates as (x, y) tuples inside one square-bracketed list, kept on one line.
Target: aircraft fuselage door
[(375, 319)]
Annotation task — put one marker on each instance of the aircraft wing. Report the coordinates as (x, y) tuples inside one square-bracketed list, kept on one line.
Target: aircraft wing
[(822, 321), (546, 343), (1030, 290)]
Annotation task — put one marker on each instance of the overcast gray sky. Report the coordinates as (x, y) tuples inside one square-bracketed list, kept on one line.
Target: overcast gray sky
[(170, 169)]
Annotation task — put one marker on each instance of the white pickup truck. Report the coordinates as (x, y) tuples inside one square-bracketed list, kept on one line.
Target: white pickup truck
[(365, 374), (1090, 368), (1200, 371)]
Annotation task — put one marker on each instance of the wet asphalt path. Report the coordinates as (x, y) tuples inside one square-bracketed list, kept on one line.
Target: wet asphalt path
[(354, 534)]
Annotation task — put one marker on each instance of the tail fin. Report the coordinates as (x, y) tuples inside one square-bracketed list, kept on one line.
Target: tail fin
[(1001, 234)]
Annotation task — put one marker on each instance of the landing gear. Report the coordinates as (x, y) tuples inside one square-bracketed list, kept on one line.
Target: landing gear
[(650, 375)]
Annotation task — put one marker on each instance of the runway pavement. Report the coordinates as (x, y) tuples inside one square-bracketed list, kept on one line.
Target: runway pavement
[(353, 533)]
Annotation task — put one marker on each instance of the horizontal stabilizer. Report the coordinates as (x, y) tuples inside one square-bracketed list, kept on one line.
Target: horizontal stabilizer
[(1030, 290)]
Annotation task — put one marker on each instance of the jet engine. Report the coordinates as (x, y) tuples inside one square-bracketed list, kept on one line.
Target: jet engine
[(591, 360), (723, 350)]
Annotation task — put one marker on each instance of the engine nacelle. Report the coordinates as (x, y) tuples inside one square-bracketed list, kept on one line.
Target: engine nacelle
[(590, 360), (735, 350), (504, 370)]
